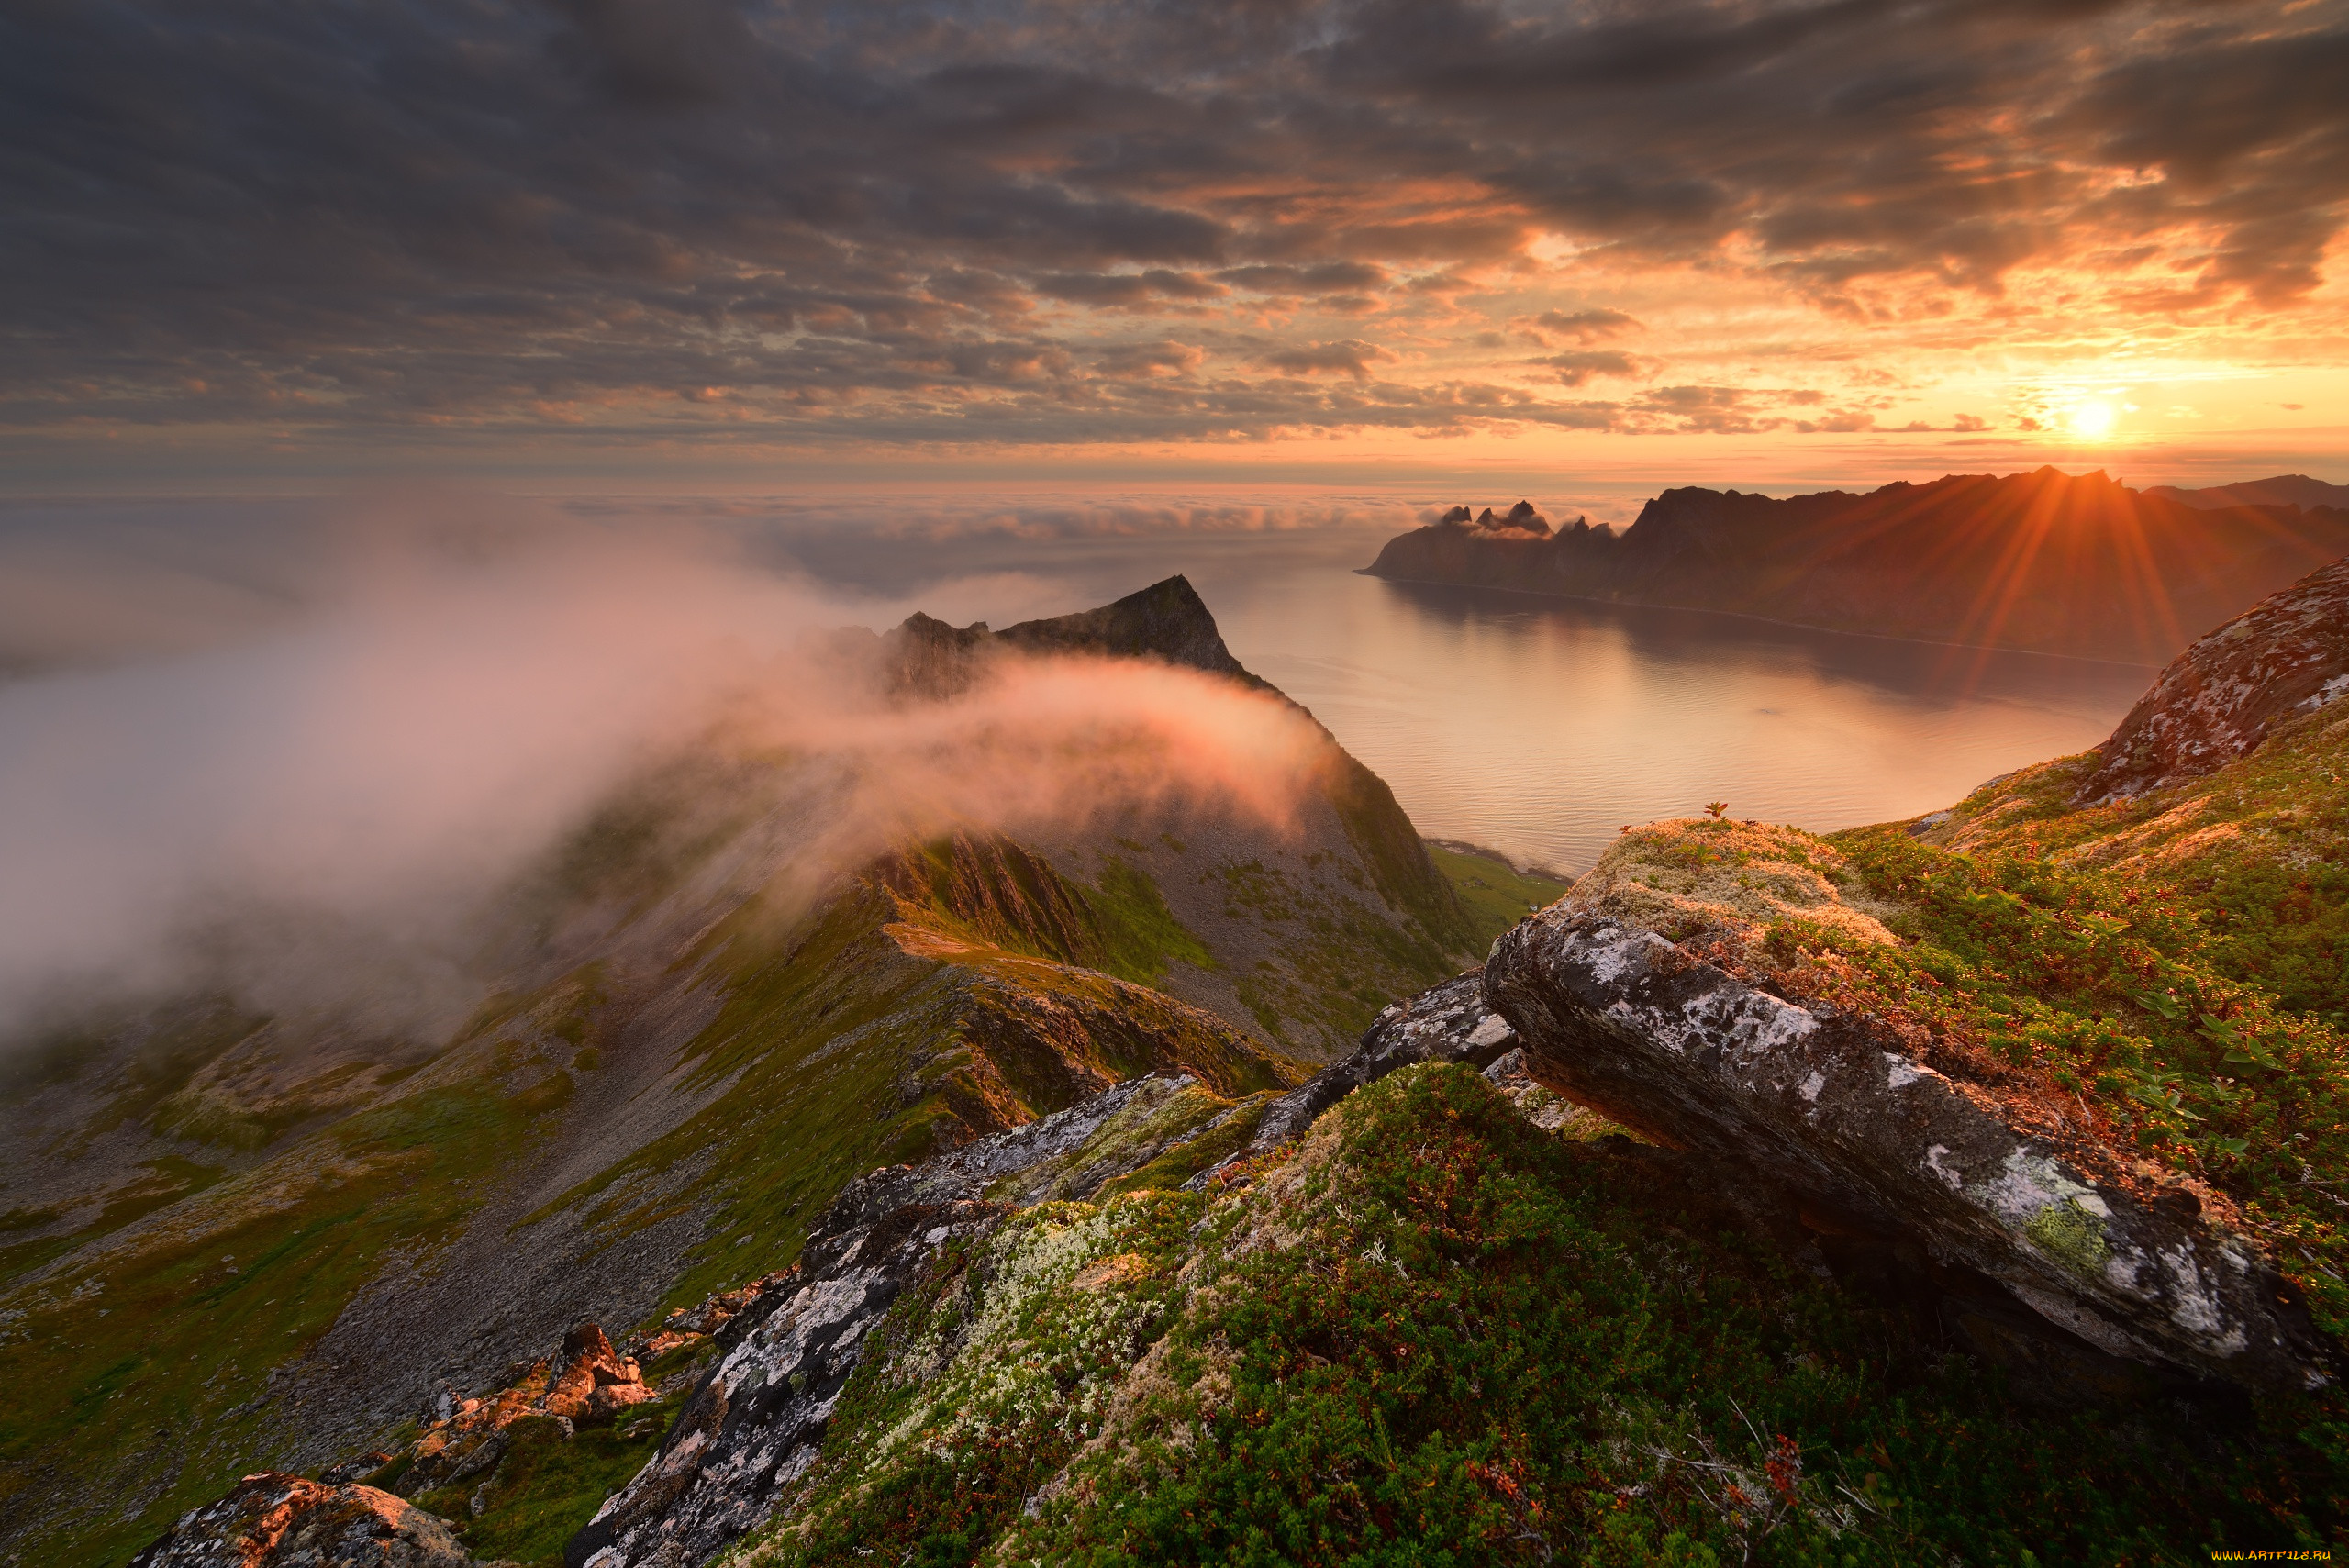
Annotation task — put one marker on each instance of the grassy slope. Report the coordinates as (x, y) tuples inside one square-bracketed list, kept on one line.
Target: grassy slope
[(1433, 1334), (937, 1048), (1495, 893), (136, 1377), (1329, 962), (2176, 962), (2156, 981), (133, 1371)]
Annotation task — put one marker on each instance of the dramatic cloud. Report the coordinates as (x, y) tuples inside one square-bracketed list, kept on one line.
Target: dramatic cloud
[(480, 224)]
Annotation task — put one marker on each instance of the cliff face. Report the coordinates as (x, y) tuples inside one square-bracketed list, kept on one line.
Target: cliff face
[(2038, 560)]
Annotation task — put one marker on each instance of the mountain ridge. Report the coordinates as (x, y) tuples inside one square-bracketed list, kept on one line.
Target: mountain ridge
[(280, 1237), (2042, 561)]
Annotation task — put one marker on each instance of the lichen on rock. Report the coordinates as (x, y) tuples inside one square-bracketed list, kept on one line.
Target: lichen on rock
[(1828, 1104)]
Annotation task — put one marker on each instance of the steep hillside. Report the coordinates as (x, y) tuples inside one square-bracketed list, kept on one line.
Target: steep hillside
[(2041, 561), (252, 1240)]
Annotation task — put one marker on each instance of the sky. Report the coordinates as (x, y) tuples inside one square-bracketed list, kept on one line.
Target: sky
[(703, 245)]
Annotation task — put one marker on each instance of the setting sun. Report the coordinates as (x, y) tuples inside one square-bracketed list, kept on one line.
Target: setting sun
[(2094, 421)]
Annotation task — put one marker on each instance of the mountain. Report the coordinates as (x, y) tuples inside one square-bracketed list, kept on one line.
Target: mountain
[(1981, 1206), (2284, 490), (1957, 1189), (2041, 561), (238, 1241)]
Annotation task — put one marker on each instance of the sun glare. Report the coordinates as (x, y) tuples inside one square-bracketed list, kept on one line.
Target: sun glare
[(2094, 421)]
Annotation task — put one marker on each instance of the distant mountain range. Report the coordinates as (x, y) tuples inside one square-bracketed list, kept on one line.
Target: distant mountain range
[(2284, 490), (2042, 561)]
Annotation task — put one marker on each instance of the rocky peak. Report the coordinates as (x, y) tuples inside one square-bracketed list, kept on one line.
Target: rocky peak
[(1521, 518), (1167, 621), (2288, 654)]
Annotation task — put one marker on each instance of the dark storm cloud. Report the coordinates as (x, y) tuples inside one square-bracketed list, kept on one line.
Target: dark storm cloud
[(635, 217)]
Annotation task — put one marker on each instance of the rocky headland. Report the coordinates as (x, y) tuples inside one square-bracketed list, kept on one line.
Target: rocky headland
[(2042, 561)]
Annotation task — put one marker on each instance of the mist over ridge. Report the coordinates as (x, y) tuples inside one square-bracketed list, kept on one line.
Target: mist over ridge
[(326, 800)]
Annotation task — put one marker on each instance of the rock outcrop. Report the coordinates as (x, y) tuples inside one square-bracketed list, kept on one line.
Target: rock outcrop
[(588, 1381), (756, 1421), (283, 1521), (2288, 654), (1522, 520), (1450, 1022), (1832, 1107)]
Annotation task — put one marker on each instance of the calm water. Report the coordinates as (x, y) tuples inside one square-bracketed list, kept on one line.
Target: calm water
[(1540, 726)]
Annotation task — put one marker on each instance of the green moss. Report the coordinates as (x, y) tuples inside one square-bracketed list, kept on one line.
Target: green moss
[(1034, 1327), (2095, 984), (546, 1486), (2257, 854), (1447, 1338)]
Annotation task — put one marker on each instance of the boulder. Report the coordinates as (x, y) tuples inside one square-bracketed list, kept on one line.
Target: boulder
[(594, 1379), (2288, 654), (1832, 1108), (283, 1521)]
